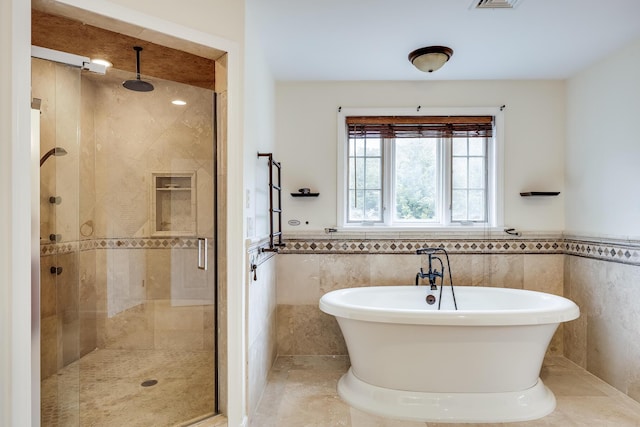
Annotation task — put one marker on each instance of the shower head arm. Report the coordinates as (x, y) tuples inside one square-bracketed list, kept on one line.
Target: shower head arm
[(137, 49), (138, 85)]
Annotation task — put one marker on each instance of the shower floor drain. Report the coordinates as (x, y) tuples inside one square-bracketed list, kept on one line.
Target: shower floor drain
[(149, 383)]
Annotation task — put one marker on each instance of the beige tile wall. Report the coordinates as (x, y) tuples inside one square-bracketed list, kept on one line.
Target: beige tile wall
[(85, 226), (303, 278), (66, 331), (67, 307), (606, 338), (150, 298), (149, 135), (58, 87)]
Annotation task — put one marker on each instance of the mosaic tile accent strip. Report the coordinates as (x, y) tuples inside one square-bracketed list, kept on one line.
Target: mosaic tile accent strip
[(149, 243), (409, 246), (60, 248), (625, 252), (621, 251), (128, 243)]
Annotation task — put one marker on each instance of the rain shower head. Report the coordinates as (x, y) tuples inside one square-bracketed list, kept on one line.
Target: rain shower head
[(138, 85), (55, 151)]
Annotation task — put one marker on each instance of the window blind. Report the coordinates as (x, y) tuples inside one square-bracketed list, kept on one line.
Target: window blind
[(419, 126)]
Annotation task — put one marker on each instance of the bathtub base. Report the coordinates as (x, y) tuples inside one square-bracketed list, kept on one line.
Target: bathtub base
[(525, 405)]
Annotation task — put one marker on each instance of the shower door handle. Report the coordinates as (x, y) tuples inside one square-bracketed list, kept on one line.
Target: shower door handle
[(203, 252)]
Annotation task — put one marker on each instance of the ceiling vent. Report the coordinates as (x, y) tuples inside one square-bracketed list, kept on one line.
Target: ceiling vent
[(495, 4)]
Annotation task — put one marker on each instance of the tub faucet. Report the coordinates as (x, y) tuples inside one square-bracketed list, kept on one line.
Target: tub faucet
[(433, 272)]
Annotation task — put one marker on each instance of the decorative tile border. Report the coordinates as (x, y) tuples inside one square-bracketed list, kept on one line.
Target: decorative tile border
[(611, 250), (129, 243), (409, 246), (625, 252), (620, 251), (148, 243), (61, 248)]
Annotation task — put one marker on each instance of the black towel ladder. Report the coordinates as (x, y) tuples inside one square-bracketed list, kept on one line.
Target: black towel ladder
[(273, 234)]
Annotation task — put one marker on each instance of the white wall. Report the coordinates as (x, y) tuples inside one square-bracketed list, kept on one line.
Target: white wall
[(259, 137), (221, 17), (5, 197), (603, 147), (534, 140), (5, 217), (15, 293), (259, 129), (603, 201)]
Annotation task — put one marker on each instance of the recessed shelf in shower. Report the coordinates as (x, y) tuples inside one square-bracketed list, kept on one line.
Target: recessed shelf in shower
[(173, 203)]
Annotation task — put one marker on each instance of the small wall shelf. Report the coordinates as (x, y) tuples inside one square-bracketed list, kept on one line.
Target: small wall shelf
[(539, 193), (305, 194)]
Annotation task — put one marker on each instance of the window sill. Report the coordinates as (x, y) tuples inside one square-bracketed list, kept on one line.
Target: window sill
[(422, 234), (462, 232), (422, 231)]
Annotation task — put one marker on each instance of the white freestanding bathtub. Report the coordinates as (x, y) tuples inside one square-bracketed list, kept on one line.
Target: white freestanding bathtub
[(480, 363)]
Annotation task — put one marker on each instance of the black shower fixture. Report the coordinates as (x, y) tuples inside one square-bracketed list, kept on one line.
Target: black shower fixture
[(55, 151), (138, 85)]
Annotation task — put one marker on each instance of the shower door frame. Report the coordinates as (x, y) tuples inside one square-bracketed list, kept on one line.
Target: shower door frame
[(35, 263)]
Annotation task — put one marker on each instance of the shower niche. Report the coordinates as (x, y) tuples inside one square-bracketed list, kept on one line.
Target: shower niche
[(173, 203)]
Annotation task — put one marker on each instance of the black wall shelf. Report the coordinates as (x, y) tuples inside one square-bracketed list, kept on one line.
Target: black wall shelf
[(539, 193), (305, 194)]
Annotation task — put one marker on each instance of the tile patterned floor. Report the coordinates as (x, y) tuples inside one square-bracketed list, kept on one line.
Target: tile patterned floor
[(301, 392), (104, 388)]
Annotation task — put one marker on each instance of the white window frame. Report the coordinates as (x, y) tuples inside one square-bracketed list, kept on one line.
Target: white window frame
[(495, 171)]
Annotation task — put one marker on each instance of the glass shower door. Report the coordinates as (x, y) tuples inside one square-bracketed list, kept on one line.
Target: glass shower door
[(128, 250), (57, 87), (152, 224)]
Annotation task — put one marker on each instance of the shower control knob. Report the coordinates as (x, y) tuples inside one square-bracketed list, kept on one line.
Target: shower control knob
[(431, 299), (56, 270), (55, 237), (55, 200)]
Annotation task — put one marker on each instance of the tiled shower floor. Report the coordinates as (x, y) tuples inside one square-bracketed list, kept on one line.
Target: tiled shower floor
[(104, 388), (301, 392)]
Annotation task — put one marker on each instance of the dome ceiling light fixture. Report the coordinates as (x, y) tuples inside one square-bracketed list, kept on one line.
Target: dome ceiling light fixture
[(431, 58)]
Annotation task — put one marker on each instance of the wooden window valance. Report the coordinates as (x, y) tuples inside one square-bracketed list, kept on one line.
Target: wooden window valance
[(419, 126)]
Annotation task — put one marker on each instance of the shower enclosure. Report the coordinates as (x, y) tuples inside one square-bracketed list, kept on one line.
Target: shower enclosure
[(128, 275)]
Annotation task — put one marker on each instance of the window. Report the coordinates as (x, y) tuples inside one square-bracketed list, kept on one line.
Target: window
[(422, 170)]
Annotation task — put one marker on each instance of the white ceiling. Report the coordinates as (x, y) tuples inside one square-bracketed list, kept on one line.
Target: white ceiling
[(371, 39)]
